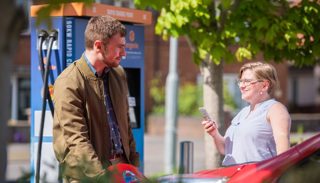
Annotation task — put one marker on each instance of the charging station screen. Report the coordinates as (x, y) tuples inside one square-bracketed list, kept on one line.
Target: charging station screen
[(133, 77)]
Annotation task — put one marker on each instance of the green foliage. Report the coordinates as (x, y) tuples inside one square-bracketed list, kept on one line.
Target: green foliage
[(242, 53), (189, 100), (157, 5), (252, 27), (157, 94), (228, 100), (25, 177)]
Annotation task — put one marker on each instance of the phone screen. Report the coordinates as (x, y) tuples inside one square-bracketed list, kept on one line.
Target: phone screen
[(204, 114)]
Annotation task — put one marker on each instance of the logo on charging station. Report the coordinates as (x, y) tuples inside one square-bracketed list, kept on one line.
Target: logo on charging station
[(50, 90), (132, 44), (131, 36)]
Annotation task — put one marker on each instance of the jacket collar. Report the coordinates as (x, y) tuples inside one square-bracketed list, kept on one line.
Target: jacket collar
[(85, 68), (93, 70), (89, 64)]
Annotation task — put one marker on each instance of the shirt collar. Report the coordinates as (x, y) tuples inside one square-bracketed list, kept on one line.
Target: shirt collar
[(105, 71), (89, 64)]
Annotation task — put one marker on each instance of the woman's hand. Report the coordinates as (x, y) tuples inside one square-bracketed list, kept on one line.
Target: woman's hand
[(210, 127)]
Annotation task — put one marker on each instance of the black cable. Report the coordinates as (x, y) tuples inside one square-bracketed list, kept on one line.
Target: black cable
[(42, 35), (52, 37)]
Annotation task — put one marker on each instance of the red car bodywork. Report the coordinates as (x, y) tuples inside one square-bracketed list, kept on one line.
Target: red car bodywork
[(267, 170), (260, 172), (122, 171)]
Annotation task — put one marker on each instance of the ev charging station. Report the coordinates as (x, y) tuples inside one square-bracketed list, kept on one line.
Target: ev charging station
[(53, 50)]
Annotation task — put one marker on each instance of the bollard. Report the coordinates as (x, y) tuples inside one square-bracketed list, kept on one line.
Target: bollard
[(186, 157)]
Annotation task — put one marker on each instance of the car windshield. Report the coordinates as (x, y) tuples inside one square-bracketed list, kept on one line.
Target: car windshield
[(307, 170)]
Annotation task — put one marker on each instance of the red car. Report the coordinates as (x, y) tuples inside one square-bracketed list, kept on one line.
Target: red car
[(300, 164)]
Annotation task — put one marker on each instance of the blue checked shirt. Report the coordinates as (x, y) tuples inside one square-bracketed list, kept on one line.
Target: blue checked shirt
[(114, 129), (112, 120)]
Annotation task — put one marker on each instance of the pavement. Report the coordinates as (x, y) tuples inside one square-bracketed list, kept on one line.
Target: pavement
[(18, 163), (189, 129), (19, 156)]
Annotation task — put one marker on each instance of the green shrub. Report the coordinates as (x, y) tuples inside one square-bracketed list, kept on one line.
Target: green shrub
[(228, 98), (157, 94), (189, 98)]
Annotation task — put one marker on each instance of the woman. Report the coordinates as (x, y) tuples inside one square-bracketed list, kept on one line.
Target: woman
[(261, 129)]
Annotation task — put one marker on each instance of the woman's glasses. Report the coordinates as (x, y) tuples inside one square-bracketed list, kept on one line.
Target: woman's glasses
[(247, 82)]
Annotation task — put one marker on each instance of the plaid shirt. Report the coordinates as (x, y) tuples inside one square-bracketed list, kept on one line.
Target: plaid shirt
[(112, 120), (113, 125)]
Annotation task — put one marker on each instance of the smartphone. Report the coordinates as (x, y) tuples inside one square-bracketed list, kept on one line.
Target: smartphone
[(205, 114)]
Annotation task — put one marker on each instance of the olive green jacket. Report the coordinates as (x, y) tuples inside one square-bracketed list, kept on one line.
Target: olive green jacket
[(81, 137)]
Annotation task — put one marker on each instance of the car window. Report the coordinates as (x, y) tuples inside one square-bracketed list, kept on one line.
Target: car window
[(307, 170)]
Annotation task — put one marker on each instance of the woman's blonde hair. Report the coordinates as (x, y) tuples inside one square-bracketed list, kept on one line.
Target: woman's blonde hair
[(263, 71)]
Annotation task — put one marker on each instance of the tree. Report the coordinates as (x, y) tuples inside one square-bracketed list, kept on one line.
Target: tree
[(229, 31)]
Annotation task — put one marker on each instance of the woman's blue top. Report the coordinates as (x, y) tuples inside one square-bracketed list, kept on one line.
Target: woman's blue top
[(249, 137)]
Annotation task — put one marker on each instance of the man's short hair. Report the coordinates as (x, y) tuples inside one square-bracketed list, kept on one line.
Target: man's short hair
[(102, 28)]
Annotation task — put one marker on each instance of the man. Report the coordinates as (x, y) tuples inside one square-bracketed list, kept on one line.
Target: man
[(91, 129)]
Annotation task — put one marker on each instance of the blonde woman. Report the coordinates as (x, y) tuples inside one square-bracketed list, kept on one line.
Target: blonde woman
[(260, 130)]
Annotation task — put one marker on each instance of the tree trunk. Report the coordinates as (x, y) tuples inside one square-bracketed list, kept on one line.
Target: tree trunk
[(13, 21), (213, 102)]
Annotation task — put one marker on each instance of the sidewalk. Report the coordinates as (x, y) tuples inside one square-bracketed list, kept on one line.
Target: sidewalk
[(18, 160), (188, 130), (19, 156)]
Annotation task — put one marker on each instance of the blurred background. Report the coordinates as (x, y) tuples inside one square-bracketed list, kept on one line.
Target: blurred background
[(299, 91)]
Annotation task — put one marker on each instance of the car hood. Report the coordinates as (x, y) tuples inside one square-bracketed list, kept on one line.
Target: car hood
[(223, 171), (268, 169)]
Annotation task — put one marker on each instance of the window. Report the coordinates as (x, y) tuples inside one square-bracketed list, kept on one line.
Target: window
[(20, 101), (23, 97)]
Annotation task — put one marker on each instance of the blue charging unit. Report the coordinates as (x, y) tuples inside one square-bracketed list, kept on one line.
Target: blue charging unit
[(68, 47)]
